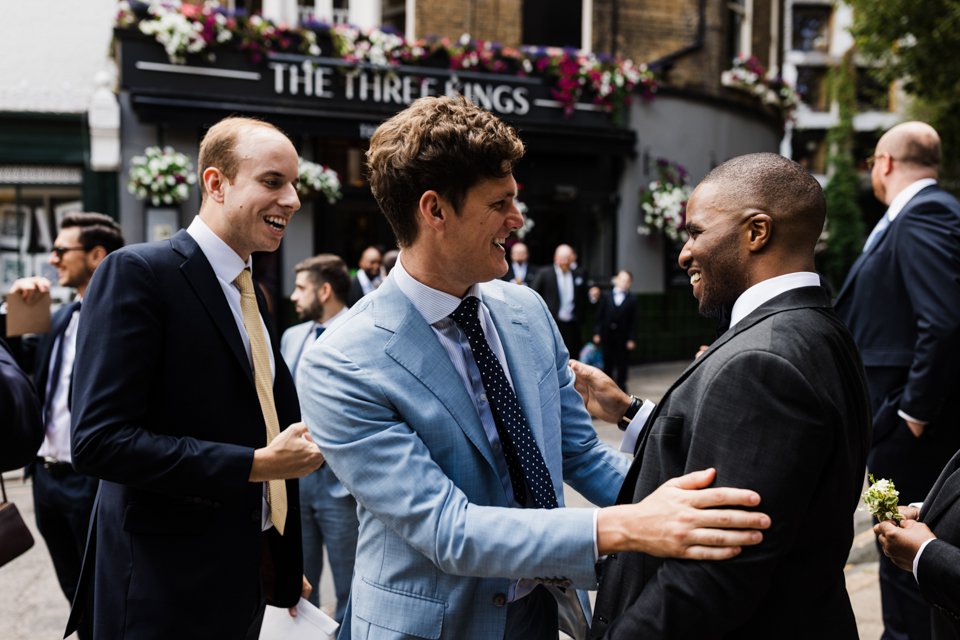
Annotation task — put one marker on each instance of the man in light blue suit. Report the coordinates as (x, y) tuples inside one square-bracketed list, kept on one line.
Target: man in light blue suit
[(445, 405), (328, 513)]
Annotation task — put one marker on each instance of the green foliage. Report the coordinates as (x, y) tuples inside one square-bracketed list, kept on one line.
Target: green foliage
[(918, 42), (844, 223)]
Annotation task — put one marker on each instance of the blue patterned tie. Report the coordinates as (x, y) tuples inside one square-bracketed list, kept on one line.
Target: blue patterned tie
[(877, 233), (524, 460)]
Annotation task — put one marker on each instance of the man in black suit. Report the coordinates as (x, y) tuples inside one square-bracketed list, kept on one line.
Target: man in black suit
[(927, 544), (520, 271), (21, 430), (62, 497), (179, 396), (367, 278), (901, 301), (564, 291), (778, 404), (615, 325)]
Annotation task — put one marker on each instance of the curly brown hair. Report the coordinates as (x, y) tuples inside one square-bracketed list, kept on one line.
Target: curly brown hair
[(444, 144)]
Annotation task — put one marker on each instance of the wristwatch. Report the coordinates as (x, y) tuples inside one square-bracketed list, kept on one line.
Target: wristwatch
[(628, 415)]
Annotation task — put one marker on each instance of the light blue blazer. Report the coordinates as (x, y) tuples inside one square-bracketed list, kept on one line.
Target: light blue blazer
[(439, 547), (294, 342)]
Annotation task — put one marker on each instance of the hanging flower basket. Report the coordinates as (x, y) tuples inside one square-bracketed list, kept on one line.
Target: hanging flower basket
[(162, 176), (747, 74), (317, 179), (663, 204)]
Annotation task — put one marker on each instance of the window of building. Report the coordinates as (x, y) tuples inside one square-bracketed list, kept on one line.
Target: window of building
[(331, 11), (872, 95), (812, 87), (810, 149), (811, 28), (552, 23), (394, 14)]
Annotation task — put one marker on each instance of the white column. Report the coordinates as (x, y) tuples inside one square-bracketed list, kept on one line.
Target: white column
[(323, 10), (281, 11), (103, 118), (410, 26), (586, 27), (365, 14)]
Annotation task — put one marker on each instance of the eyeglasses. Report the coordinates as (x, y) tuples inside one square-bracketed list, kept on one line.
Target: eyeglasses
[(872, 160), (59, 251)]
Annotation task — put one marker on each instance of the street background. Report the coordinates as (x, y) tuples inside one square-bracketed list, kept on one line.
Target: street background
[(32, 607)]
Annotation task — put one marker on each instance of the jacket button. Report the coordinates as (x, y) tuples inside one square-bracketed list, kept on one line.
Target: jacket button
[(499, 600)]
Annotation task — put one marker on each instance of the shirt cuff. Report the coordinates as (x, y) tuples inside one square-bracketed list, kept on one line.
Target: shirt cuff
[(596, 550), (635, 428), (916, 558), (907, 416)]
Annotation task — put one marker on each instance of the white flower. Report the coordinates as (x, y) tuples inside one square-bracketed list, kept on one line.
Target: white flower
[(316, 178), (161, 175), (881, 499)]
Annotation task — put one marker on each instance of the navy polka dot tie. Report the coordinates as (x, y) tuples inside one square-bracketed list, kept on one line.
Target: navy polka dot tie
[(524, 460)]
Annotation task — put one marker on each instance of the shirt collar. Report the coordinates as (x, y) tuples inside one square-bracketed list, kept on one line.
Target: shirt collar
[(326, 324), (761, 292), (226, 264), (434, 305), (905, 196)]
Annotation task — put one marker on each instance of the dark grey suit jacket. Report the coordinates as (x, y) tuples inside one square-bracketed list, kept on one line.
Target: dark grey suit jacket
[(939, 568), (778, 404)]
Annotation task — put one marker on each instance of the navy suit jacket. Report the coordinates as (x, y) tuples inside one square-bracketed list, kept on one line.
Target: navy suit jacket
[(938, 571), (21, 430), (901, 301), (166, 414), (616, 324)]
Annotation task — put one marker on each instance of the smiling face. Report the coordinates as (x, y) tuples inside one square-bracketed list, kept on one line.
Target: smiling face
[(713, 255), (76, 266), (473, 241), (251, 211)]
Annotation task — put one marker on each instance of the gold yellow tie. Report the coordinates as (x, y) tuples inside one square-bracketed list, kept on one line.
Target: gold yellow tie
[(276, 489)]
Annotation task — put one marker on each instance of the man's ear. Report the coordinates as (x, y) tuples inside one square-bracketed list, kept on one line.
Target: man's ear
[(432, 210), (213, 181), (324, 292), (96, 255), (759, 230)]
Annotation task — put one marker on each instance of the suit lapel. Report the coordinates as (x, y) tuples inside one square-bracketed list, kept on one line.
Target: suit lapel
[(199, 274), (945, 492), (414, 346)]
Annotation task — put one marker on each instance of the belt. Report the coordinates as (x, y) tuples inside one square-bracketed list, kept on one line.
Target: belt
[(56, 468)]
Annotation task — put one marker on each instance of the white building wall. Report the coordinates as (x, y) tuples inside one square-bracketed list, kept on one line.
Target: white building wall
[(51, 51)]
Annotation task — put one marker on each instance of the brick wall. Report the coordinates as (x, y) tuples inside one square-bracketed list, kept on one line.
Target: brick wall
[(497, 20)]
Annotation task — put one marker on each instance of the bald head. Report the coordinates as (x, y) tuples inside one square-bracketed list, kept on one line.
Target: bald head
[(778, 187), (916, 145), (563, 255)]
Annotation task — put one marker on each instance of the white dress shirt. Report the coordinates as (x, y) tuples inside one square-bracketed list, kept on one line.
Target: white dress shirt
[(56, 441), (565, 287), (227, 265)]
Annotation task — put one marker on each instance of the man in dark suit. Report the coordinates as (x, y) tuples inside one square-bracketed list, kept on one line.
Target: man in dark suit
[(565, 292), (62, 497), (21, 430), (615, 326), (778, 404), (367, 278), (179, 395), (519, 270), (927, 544), (901, 301)]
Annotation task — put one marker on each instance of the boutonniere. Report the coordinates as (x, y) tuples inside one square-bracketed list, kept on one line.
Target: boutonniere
[(881, 499)]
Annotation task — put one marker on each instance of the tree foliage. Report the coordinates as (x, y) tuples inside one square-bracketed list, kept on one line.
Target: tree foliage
[(844, 223), (919, 43)]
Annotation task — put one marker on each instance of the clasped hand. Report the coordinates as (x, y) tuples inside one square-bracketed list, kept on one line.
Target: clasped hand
[(902, 542), (292, 454)]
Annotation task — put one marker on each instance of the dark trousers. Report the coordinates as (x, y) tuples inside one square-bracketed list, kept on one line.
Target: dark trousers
[(62, 501), (906, 615), (616, 362), (533, 617), (570, 332)]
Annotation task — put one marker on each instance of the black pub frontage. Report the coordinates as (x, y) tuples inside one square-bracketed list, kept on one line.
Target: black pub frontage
[(569, 177)]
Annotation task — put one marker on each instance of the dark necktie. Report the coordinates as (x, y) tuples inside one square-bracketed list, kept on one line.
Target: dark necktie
[(524, 460), (319, 331)]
